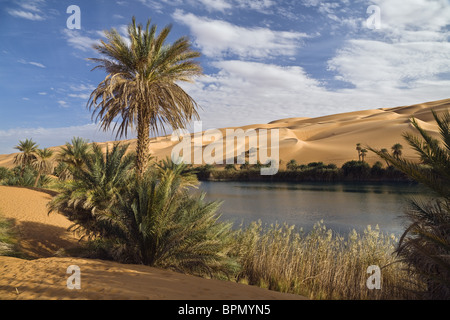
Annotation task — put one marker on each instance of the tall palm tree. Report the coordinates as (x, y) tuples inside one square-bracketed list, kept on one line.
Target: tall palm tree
[(425, 245), (141, 86), (397, 150), (28, 153), (42, 163)]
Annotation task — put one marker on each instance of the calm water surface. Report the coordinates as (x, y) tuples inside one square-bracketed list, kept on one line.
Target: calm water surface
[(342, 207)]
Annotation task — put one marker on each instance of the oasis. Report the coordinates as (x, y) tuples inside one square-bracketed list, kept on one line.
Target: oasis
[(210, 147)]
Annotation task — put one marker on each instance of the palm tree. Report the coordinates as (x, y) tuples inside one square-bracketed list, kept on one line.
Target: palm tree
[(142, 84), (363, 154), (425, 245), (172, 228), (358, 148), (42, 163), (245, 165), (292, 165), (155, 220), (74, 154), (95, 188), (397, 150), (28, 153), (385, 152)]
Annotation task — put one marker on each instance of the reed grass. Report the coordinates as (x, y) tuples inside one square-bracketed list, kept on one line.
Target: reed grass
[(8, 239), (321, 264)]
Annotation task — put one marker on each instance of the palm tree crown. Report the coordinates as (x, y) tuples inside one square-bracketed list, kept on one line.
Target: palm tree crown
[(42, 163), (28, 149), (397, 150), (141, 86)]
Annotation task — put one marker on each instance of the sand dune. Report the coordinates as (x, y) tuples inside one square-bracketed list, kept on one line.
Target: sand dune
[(330, 139), (45, 277)]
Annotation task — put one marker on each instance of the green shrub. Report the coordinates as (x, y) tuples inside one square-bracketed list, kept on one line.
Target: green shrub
[(356, 170)]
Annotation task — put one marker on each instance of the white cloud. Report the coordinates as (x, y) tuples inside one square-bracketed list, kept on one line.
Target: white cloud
[(30, 10), (37, 64), (62, 103), (25, 15), (216, 5), (218, 38), (212, 5), (377, 64), (410, 49), (78, 41), (82, 87), (83, 96), (415, 19)]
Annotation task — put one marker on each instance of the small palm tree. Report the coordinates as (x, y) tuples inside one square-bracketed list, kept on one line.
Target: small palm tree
[(230, 167), (95, 188), (397, 150), (187, 176), (42, 163), (245, 165), (385, 152), (74, 154), (155, 220), (142, 84), (358, 148), (363, 154), (292, 165), (28, 153), (171, 228), (425, 245)]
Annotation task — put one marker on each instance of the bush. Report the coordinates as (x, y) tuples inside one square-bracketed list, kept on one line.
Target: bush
[(356, 170), (5, 173)]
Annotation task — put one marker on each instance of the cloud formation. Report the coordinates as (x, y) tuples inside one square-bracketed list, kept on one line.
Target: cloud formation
[(218, 38)]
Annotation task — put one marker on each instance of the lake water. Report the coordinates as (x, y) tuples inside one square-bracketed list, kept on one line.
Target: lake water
[(341, 206)]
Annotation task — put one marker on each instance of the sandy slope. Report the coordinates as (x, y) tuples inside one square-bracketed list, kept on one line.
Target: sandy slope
[(331, 139), (41, 234), (45, 278)]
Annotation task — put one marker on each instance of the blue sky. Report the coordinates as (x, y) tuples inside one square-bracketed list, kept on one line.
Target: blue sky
[(263, 59)]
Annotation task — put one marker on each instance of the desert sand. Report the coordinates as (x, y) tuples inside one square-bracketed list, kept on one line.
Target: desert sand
[(44, 277), (330, 139)]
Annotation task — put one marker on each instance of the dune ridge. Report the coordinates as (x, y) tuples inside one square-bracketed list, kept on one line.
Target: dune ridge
[(330, 139)]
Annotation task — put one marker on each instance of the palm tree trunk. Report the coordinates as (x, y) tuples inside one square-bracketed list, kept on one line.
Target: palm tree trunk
[(37, 179), (143, 143)]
